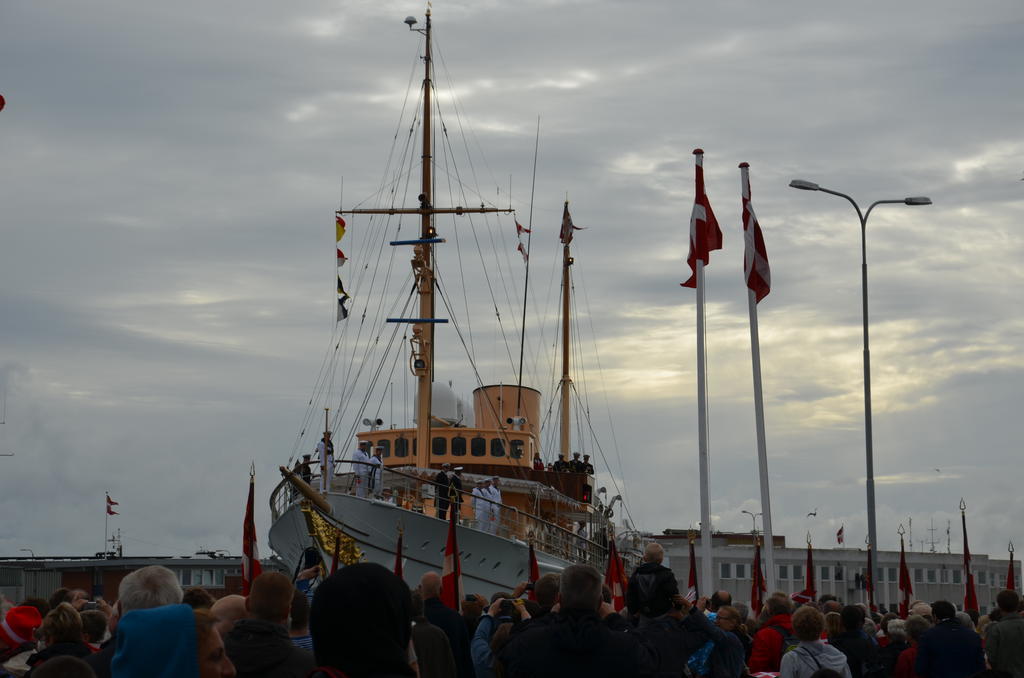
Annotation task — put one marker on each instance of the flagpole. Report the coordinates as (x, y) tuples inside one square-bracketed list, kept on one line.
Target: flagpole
[(106, 519), (762, 450), (706, 573)]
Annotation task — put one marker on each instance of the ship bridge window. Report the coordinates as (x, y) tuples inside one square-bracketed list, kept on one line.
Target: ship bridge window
[(478, 446), (439, 446), (401, 447), (386, 444), (497, 447), (458, 446), (516, 449)]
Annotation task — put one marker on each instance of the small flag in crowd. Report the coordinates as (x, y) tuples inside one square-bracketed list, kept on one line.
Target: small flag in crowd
[(869, 582), (692, 593), (451, 572), (758, 586), (970, 596), (250, 555), (534, 573), (615, 577), (398, 555), (839, 534), (904, 584), (810, 592), (111, 503), (705, 235), (567, 226), (755, 255)]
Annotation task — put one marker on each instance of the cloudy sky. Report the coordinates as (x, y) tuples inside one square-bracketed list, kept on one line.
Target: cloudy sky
[(170, 173)]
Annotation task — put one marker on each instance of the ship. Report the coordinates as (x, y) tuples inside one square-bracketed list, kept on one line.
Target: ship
[(323, 510)]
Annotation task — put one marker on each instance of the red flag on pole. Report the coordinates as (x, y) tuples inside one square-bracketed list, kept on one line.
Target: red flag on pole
[(615, 577), (520, 229), (970, 596), (839, 534), (250, 555), (705, 235), (522, 250), (1011, 585), (337, 552), (534, 570), (869, 582), (110, 511), (758, 587), (810, 592), (692, 592), (398, 555), (755, 255), (905, 584), (451, 573)]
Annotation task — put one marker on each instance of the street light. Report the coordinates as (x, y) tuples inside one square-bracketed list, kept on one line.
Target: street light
[(912, 201), (753, 521), (30, 551)]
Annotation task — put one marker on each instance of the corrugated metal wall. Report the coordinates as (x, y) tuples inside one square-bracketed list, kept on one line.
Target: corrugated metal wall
[(41, 583)]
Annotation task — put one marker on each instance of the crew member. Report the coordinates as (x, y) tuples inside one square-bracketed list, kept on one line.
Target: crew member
[(376, 473), (588, 468), (325, 453), (361, 468), (441, 484), (455, 491), (576, 465), (496, 506)]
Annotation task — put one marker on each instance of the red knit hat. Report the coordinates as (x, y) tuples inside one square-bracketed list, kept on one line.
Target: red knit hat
[(19, 625)]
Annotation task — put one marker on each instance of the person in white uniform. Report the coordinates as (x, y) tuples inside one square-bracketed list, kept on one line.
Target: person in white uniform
[(481, 513), (376, 473), (360, 471), (495, 492), (325, 453)]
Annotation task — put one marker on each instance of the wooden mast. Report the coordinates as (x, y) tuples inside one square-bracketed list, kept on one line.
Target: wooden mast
[(422, 342), (566, 382)]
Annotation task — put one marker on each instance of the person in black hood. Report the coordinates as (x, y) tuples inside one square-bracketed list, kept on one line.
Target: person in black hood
[(652, 587), (260, 645), (361, 623)]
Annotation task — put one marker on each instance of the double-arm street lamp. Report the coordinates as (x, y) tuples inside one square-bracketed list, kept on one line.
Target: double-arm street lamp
[(863, 216)]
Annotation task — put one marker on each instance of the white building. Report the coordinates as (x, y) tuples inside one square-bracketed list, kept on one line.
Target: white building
[(839, 571)]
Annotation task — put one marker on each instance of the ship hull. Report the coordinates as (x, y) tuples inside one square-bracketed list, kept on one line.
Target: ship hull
[(490, 563)]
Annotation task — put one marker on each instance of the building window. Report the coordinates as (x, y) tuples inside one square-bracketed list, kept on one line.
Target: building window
[(439, 446), (838, 573), (401, 447), (458, 446), (932, 577), (946, 578), (516, 449), (824, 573), (741, 570), (981, 577), (386, 444), (892, 575), (185, 577), (918, 575), (783, 571), (497, 447), (478, 446), (726, 570), (957, 577), (798, 572)]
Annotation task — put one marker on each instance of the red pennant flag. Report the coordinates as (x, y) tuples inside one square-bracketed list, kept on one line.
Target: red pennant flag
[(520, 229), (905, 584), (692, 592), (1011, 585), (758, 586), (522, 250), (111, 512), (250, 555), (111, 502), (339, 227), (534, 570), (869, 582), (970, 596), (839, 534), (398, 556), (567, 226), (755, 255), (451, 573), (615, 577), (810, 592), (341, 258), (705, 235)]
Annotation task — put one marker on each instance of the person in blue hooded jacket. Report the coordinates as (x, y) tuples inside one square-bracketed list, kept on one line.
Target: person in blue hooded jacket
[(172, 641)]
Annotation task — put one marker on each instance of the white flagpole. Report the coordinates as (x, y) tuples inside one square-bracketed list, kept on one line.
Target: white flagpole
[(706, 565), (762, 451), (755, 359)]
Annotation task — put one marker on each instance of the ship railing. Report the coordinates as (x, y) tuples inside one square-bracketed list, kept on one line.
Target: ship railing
[(417, 493)]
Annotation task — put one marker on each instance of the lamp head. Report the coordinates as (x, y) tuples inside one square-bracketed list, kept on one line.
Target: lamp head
[(917, 200), (804, 185), (411, 20)]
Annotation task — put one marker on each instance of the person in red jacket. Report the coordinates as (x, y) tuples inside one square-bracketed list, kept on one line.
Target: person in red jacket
[(766, 653)]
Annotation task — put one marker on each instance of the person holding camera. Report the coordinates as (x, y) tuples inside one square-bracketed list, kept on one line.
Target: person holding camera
[(501, 611)]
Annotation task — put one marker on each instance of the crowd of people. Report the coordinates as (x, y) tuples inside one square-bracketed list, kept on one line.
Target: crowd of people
[(365, 621)]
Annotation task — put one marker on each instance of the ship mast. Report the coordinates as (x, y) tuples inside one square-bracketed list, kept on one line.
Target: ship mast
[(422, 342), (566, 382)]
